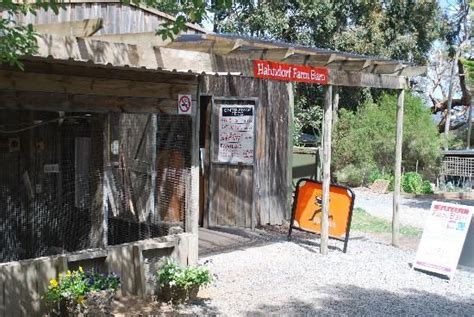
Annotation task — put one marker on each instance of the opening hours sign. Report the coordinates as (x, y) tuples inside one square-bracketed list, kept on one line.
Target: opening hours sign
[(236, 134), (290, 72)]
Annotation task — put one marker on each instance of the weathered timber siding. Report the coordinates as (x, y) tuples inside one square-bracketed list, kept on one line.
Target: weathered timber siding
[(23, 283), (270, 176), (58, 87), (117, 18)]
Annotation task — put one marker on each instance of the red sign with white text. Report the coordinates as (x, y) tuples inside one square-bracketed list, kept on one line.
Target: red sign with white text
[(290, 72)]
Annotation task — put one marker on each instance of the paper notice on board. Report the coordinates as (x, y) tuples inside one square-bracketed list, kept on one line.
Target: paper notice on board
[(236, 134), (443, 238)]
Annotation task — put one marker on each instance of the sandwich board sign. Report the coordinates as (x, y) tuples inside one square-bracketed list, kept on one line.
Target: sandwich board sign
[(307, 209), (443, 238)]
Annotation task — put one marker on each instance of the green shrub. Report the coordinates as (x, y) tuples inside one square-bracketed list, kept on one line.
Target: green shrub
[(178, 283), (351, 176), (412, 183), (426, 188), (367, 137), (377, 174)]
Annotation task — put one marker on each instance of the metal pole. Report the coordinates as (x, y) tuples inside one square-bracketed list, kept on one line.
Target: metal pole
[(398, 169), (327, 134)]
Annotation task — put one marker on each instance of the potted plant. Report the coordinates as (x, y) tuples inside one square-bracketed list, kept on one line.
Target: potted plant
[(180, 284), (81, 292)]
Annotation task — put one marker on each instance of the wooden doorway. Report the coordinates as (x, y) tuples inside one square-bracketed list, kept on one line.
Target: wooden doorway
[(229, 162), (205, 103)]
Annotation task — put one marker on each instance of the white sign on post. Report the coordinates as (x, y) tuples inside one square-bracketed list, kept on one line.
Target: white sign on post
[(236, 134), (443, 238), (185, 104)]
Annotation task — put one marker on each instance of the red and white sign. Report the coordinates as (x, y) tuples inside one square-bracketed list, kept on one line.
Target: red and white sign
[(290, 72), (443, 238), (185, 104)]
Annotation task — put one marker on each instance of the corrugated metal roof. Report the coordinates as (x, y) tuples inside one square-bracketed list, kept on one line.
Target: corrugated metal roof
[(253, 48), (466, 152), (89, 51)]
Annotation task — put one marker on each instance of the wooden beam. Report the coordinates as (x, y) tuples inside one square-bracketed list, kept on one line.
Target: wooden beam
[(197, 46), (360, 79), (385, 68), (44, 101), (331, 59), (412, 71), (22, 81), (274, 54), (133, 38), (82, 28), (208, 46), (35, 65), (327, 135), (153, 166), (398, 170)]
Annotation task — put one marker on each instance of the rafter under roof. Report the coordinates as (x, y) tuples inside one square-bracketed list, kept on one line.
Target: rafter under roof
[(251, 48)]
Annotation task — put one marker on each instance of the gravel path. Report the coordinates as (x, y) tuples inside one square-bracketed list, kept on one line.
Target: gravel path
[(372, 279), (413, 211)]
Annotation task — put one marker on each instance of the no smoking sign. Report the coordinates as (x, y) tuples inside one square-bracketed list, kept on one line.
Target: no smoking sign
[(185, 104)]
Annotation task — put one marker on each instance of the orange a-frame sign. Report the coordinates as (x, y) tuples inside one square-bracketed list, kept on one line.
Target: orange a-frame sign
[(307, 209)]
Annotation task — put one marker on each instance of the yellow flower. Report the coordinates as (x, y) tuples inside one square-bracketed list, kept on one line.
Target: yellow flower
[(53, 283), (68, 273), (80, 269), (80, 300)]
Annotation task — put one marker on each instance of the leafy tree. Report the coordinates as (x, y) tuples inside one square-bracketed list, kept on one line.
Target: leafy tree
[(18, 39), (395, 29), (447, 71), (365, 140)]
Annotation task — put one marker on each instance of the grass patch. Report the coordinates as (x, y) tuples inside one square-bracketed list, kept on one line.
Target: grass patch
[(365, 222)]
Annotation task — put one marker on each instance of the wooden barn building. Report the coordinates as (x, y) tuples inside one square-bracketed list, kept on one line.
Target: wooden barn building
[(115, 145)]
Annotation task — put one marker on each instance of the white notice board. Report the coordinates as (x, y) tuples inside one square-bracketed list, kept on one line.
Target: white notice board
[(443, 238), (236, 134)]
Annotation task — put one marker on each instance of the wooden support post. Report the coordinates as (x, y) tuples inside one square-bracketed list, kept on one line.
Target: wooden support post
[(289, 170), (469, 127), (335, 109), (106, 164), (154, 129), (398, 170), (327, 134), (192, 212)]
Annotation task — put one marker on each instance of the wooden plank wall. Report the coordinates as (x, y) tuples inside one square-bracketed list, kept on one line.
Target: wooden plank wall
[(23, 283), (117, 18), (60, 87), (272, 139)]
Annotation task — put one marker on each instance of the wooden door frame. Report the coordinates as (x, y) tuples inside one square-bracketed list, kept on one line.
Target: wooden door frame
[(208, 201)]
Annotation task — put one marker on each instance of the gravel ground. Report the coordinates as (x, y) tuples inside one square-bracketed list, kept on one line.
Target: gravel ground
[(413, 211), (275, 276), (267, 274)]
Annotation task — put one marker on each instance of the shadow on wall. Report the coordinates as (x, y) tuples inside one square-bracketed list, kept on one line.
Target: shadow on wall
[(356, 301)]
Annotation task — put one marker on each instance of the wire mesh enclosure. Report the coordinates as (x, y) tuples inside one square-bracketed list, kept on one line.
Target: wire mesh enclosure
[(458, 170), (75, 181), (147, 152)]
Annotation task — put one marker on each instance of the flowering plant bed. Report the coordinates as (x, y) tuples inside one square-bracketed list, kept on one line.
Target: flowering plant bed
[(81, 292), (180, 284)]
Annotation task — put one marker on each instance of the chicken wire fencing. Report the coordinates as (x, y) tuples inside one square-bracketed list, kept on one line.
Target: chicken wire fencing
[(457, 172), (75, 181)]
